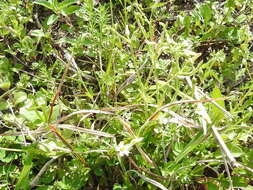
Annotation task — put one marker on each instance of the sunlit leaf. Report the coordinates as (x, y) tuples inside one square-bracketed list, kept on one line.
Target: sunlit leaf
[(218, 114), (53, 18), (37, 33), (65, 4), (70, 10), (19, 97), (206, 12), (46, 4)]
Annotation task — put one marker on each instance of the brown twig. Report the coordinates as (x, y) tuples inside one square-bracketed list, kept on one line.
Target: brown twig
[(53, 127)]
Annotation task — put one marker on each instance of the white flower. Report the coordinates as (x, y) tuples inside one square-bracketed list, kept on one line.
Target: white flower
[(123, 149)]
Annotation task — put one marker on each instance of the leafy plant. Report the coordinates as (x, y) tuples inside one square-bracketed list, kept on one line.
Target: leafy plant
[(125, 94)]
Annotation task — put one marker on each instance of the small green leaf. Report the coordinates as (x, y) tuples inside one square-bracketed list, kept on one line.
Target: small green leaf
[(235, 150), (2, 154), (37, 33), (69, 10), (53, 18), (206, 12), (19, 97), (241, 18), (31, 115), (65, 4), (212, 186), (218, 114), (46, 4), (56, 113), (187, 21), (5, 85), (157, 5), (98, 172), (9, 157), (3, 105)]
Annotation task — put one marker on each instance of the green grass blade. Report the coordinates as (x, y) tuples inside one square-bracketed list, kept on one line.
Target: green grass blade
[(23, 180), (190, 146)]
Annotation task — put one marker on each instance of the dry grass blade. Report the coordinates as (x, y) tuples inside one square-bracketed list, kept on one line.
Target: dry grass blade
[(145, 170), (149, 180), (35, 181), (227, 152), (58, 91), (130, 79), (114, 109), (224, 147), (38, 131), (200, 92), (181, 120), (227, 114), (84, 112), (54, 130), (156, 113), (128, 128), (12, 149), (84, 130), (201, 111)]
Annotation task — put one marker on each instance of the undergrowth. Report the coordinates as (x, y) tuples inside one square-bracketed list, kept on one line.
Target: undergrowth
[(126, 94)]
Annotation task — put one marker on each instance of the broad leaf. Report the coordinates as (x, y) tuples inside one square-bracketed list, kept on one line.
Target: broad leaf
[(19, 97)]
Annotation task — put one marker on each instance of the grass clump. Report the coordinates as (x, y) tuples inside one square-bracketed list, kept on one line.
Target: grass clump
[(126, 94)]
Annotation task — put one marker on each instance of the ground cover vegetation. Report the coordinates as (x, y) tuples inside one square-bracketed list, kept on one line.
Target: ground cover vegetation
[(126, 94)]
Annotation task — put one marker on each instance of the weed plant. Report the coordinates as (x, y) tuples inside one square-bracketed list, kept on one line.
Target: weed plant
[(126, 94)]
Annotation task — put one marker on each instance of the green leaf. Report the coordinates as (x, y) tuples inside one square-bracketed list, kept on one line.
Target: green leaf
[(31, 115), (212, 186), (2, 154), (235, 150), (5, 85), (37, 33), (241, 18), (56, 113), (69, 10), (9, 157), (53, 18), (206, 12), (19, 97), (217, 113), (23, 180), (157, 5), (65, 4), (190, 146), (46, 4), (187, 21)]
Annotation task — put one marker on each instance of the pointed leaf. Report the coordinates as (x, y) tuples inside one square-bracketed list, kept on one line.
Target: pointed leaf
[(69, 10), (37, 33), (65, 4), (218, 114), (52, 19), (190, 146), (44, 4)]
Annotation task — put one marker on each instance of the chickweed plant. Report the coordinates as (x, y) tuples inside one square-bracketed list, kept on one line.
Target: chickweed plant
[(126, 94)]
